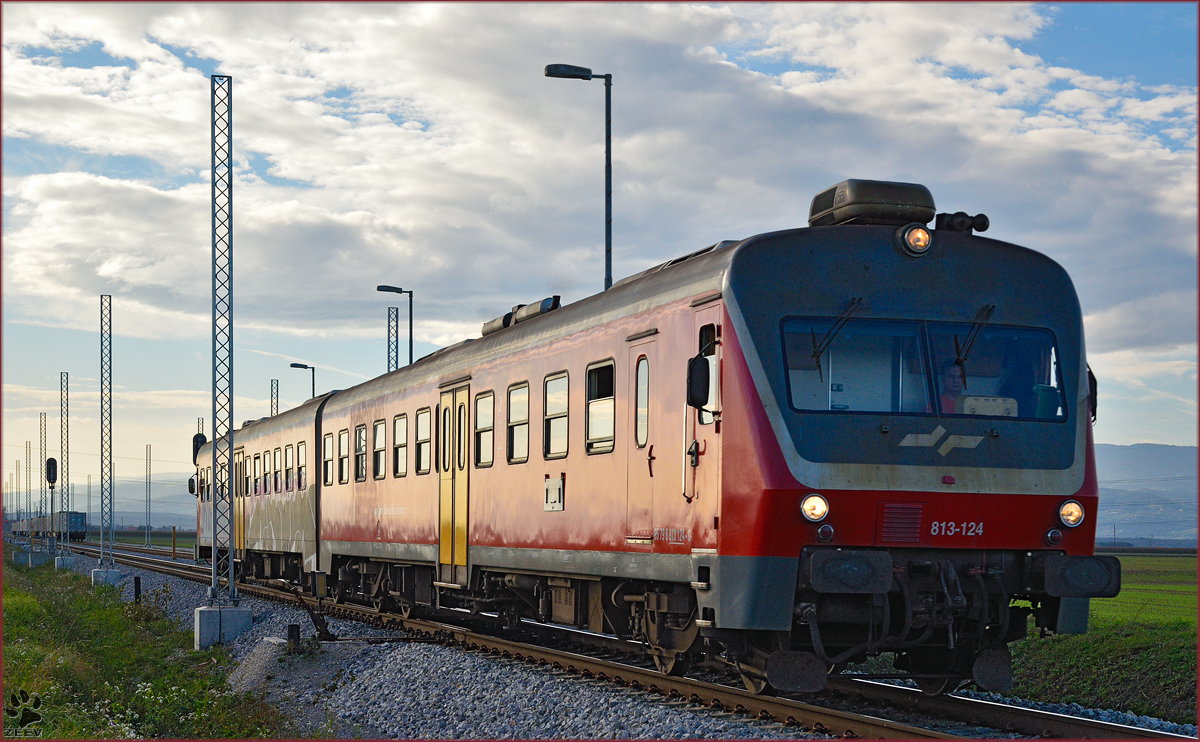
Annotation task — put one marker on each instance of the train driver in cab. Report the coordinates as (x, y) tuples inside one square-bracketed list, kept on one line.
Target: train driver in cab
[(952, 386)]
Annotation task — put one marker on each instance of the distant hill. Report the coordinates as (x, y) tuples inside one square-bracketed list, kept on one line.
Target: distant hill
[(1147, 491), (1144, 461)]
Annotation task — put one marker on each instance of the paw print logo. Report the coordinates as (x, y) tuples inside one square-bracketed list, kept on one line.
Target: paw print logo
[(21, 709)]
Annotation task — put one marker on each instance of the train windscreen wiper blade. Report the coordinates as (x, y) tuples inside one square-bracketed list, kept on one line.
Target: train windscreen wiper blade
[(851, 308), (962, 351)]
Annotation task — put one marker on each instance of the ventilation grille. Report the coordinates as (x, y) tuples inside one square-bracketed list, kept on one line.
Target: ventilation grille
[(902, 522)]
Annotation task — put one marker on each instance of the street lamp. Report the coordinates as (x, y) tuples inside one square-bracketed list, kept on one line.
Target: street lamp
[(314, 376), (571, 72), (398, 290)]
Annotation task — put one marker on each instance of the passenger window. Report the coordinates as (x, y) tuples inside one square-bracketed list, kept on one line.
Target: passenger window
[(266, 472), (277, 471), (463, 436), (289, 467), (327, 459), (601, 408), (485, 410), (209, 480), (554, 431), (708, 349), (423, 442), (446, 439), (257, 473), (400, 446), (518, 424), (641, 430), (301, 467), (379, 450), (343, 456), (360, 453), (245, 473)]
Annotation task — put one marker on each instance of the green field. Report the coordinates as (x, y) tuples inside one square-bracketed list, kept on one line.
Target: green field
[(183, 539), (1154, 589), (1139, 653)]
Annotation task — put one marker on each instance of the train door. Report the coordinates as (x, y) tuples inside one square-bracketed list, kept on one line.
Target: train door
[(453, 455), (702, 473), (644, 381)]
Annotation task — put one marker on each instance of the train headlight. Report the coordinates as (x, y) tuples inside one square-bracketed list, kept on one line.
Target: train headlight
[(914, 239), (1070, 513), (814, 508)]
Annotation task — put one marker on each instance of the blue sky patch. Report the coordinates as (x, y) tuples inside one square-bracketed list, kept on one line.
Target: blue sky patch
[(206, 65), (1153, 42), (89, 55), (31, 157), (261, 166)]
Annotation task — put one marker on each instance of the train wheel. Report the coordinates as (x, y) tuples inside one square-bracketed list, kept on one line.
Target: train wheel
[(672, 663), (755, 684), (936, 686), (403, 608)]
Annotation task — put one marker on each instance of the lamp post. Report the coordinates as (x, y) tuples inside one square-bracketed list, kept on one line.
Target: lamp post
[(571, 72), (314, 375), (398, 290)]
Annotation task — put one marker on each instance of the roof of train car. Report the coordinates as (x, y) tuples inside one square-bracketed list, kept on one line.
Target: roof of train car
[(675, 279)]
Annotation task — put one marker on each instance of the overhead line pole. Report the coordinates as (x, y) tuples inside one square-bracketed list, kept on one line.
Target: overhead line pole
[(222, 340), (64, 417), (106, 462), (42, 461), (147, 494)]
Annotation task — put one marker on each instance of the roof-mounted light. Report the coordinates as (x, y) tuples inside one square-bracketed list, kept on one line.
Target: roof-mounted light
[(872, 202), (914, 239)]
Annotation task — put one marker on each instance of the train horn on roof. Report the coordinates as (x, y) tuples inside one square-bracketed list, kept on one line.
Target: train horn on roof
[(521, 313)]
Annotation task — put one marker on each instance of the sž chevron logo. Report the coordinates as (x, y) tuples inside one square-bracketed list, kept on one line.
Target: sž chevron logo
[(21, 715)]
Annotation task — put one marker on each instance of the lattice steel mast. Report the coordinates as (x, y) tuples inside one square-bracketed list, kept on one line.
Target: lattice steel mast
[(222, 339), (64, 467), (147, 494), (28, 487), (106, 463), (42, 457), (274, 397), (393, 338)]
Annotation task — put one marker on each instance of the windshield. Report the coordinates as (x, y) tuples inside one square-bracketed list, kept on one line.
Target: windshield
[(1010, 372), (870, 366), (880, 366)]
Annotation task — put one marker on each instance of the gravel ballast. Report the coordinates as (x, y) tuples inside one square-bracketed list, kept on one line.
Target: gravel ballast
[(427, 691)]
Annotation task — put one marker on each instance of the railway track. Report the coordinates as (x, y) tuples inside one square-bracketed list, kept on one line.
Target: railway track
[(789, 711)]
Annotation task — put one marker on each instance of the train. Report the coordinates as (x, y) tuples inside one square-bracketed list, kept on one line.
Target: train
[(794, 455), (73, 522)]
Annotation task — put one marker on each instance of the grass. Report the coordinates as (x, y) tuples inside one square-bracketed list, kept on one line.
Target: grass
[(108, 669), (1139, 654), (1154, 589)]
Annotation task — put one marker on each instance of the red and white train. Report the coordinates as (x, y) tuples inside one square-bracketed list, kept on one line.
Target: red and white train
[(786, 454)]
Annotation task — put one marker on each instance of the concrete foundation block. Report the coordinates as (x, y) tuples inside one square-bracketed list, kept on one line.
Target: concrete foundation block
[(219, 624), (64, 562), (33, 558), (106, 577)]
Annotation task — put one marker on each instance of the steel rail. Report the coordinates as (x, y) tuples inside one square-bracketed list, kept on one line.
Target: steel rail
[(991, 714), (789, 711)]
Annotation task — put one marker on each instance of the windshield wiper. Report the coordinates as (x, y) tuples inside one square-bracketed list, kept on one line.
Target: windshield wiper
[(851, 308), (961, 352)]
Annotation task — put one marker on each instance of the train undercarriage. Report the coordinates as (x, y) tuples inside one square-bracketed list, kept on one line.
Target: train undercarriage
[(942, 616)]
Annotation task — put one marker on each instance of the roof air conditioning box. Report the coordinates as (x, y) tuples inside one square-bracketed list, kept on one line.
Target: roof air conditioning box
[(872, 202)]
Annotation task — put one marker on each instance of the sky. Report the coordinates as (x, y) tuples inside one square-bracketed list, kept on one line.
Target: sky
[(420, 145)]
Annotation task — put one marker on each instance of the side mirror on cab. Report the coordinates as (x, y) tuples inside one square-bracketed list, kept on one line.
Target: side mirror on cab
[(697, 382), (192, 485)]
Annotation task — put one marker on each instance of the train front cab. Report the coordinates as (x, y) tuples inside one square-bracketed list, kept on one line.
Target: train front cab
[(865, 509)]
